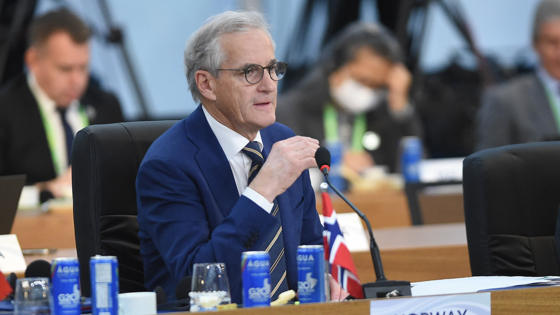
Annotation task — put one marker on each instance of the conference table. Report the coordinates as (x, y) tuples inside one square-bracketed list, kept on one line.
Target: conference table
[(413, 253)]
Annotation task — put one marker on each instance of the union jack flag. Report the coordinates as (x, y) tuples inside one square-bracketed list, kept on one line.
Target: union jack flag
[(336, 252)]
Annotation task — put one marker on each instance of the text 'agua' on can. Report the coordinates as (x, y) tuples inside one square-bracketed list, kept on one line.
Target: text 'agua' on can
[(311, 274), (104, 274), (255, 269), (66, 286)]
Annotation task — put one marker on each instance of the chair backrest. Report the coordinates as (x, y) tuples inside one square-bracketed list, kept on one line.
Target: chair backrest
[(105, 161), (511, 197)]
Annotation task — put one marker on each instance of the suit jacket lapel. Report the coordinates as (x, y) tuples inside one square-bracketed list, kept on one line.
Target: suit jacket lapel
[(212, 161), (542, 108)]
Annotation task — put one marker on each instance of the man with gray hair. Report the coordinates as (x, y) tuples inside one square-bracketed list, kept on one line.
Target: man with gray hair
[(527, 108), (228, 179)]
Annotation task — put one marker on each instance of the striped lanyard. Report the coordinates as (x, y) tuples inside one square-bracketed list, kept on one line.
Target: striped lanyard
[(330, 124), (51, 138)]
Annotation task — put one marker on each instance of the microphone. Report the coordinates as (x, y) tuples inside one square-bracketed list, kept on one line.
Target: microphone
[(381, 287), (38, 268), (161, 297), (182, 302), (183, 288), (11, 279)]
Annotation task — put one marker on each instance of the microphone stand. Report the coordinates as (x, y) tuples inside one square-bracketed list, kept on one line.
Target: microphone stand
[(381, 287)]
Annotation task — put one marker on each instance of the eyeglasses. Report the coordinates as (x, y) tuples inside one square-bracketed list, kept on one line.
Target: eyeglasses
[(254, 73)]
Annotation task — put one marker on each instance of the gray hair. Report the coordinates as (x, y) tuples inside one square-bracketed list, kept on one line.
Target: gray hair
[(204, 51), (547, 11)]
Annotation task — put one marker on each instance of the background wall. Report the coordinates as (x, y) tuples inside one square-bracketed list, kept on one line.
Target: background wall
[(156, 33)]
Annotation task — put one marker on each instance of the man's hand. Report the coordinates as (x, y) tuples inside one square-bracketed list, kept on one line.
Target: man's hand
[(337, 292), (59, 185), (398, 83), (285, 163)]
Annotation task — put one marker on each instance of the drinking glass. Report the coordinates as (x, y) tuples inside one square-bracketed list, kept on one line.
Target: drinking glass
[(210, 286), (32, 297)]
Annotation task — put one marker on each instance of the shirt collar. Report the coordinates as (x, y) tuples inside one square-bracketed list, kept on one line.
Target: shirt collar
[(44, 101), (550, 82), (230, 141)]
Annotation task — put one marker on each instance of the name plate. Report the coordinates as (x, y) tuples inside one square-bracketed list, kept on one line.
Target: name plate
[(11, 257), (461, 304)]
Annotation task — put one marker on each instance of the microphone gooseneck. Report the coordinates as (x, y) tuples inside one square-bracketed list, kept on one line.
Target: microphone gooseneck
[(382, 287)]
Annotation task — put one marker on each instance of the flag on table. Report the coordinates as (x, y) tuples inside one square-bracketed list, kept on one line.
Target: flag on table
[(5, 288), (336, 252)]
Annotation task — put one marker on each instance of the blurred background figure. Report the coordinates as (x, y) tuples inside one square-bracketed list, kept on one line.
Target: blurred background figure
[(527, 108), (357, 95), (41, 110), (451, 51)]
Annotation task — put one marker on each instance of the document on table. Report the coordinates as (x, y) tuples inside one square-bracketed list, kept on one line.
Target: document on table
[(474, 284)]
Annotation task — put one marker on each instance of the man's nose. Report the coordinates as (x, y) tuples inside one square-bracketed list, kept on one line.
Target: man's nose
[(267, 84)]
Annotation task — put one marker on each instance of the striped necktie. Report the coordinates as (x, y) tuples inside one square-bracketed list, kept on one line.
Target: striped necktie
[(274, 242)]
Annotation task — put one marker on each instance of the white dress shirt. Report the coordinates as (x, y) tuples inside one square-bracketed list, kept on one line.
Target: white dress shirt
[(232, 143), (48, 108)]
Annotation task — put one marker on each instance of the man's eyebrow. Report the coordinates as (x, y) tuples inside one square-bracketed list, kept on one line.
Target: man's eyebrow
[(247, 65)]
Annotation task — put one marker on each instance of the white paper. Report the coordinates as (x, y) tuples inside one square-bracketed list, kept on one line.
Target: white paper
[(353, 231), (440, 170), (470, 284), (11, 257)]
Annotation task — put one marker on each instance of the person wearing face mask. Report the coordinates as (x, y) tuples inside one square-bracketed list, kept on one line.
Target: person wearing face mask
[(357, 94)]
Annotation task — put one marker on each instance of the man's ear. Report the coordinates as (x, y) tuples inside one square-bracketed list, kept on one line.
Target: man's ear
[(206, 84), (31, 57)]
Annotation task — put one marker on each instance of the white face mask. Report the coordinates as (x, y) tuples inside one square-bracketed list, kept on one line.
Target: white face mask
[(357, 98)]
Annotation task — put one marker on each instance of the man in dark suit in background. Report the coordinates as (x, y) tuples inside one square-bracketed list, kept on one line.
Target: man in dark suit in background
[(228, 179), (527, 108), (40, 112), (357, 94)]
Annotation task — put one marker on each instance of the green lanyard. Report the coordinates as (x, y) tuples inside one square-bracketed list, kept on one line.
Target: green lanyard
[(52, 140), (553, 102), (330, 123)]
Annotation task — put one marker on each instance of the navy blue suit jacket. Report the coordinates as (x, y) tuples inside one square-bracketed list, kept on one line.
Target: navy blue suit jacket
[(189, 209)]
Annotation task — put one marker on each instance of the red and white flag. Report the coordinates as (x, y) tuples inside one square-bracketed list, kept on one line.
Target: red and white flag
[(5, 288), (336, 252)]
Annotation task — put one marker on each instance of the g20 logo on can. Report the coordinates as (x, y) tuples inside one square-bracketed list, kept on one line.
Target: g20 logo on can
[(308, 285), (70, 298), (260, 293)]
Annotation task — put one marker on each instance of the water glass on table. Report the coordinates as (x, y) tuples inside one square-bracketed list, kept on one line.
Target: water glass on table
[(32, 296), (210, 286)]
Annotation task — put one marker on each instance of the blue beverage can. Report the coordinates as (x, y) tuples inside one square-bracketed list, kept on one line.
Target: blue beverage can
[(65, 273), (410, 159), (104, 275), (311, 273), (255, 269)]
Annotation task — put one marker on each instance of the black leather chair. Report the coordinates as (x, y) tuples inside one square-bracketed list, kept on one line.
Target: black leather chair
[(105, 161), (511, 197)]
